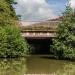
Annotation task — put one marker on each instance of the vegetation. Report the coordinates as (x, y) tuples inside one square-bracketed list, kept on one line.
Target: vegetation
[(64, 45), (11, 42), (7, 14)]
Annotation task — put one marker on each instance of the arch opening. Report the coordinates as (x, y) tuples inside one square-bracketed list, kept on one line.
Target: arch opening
[(39, 46)]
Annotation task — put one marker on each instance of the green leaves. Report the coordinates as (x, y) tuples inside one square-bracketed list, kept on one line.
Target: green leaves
[(11, 42), (3, 43), (64, 45), (7, 13)]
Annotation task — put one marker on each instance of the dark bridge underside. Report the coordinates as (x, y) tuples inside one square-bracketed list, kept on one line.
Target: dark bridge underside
[(39, 45), (39, 38)]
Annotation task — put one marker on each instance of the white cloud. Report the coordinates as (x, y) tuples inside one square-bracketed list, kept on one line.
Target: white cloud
[(72, 3), (34, 10)]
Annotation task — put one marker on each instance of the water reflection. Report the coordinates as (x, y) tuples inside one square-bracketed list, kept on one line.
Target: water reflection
[(36, 65), (12, 66)]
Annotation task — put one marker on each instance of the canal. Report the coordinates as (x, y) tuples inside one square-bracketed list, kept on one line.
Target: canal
[(36, 65)]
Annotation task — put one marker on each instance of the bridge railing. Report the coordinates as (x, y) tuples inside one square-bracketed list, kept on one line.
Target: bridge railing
[(38, 34)]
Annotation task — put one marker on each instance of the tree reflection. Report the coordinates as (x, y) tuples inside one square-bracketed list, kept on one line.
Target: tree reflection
[(13, 66), (68, 69), (36, 65)]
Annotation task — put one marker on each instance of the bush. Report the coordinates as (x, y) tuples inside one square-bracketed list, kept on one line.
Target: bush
[(3, 42), (64, 45), (11, 42)]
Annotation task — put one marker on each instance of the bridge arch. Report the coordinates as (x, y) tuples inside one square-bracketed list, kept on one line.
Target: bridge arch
[(39, 45)]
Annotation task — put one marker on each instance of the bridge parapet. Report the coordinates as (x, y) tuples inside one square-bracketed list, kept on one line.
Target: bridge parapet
[(40, 30), (38, 35)]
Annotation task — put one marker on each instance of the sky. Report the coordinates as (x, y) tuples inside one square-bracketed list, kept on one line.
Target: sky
[(40, 10)]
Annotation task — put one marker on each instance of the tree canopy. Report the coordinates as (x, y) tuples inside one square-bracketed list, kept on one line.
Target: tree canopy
[(12, 44), (7, 13), (64, 45)]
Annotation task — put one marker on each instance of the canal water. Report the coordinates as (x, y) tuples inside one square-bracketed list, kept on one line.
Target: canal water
[(36, 65)]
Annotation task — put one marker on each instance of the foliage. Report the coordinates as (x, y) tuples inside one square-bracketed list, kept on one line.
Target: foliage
[(64, 45), (7, 13), (11, 42), (3, 38)]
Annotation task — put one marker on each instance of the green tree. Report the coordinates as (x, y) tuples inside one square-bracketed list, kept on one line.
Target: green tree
[(16, 44), (7, 13), (12, 44), (3, 40), (64, 44)]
